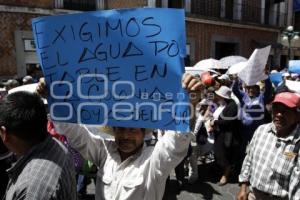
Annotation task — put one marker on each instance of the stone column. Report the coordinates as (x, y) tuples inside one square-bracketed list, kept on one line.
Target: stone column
[(59, 3), (237, 10), (164, 3), (223, 9), (151, 3), (187, 6), (263, 9), (100, 4)]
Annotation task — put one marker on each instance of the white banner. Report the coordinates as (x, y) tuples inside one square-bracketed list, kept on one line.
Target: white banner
[(255, 69)]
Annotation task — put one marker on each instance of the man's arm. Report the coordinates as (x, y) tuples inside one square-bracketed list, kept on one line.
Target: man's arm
[(237, 92), (267, 94), (90, 146), (171, 149)]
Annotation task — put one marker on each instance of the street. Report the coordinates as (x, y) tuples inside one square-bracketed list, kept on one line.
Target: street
[(205, 188)]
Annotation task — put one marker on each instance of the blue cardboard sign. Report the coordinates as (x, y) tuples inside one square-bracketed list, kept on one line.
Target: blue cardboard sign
[(118, 68)]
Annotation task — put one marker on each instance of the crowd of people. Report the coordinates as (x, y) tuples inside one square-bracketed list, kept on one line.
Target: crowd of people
[(250, 130)]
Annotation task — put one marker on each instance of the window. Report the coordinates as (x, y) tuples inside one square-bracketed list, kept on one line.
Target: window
[(206, 7), (224, 49), (229, 9), (83, 5), (29, 45), (175, 3), (187, 59), (297, 21)]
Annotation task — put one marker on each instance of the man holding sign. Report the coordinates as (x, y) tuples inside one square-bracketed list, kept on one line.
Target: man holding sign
[(121, 68), (129, 168)]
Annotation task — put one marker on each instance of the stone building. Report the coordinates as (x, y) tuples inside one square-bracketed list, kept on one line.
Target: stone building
[(215, 28)]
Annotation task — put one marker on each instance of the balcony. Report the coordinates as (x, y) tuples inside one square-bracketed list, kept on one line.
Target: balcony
[(221, 10)]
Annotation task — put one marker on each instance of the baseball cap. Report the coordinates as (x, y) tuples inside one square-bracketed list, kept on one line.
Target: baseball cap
[(291, 100)]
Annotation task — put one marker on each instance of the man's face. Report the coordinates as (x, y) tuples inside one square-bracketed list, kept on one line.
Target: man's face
[(252, 91), (129, 139), (284, 117)]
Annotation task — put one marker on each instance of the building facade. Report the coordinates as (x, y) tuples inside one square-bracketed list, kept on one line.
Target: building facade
[(215, 28)]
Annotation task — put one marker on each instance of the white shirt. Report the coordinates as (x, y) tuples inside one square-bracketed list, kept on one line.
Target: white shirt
[(141, 176), (218, 112)]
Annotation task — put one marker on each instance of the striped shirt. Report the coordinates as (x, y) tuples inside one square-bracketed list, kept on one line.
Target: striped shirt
[(45, 172), (272, 165)]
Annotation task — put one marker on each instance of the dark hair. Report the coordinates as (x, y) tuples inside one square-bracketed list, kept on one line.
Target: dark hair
[(282, 88), (24, 115)]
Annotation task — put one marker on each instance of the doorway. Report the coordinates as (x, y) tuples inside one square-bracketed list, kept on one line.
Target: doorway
[(223, 49)]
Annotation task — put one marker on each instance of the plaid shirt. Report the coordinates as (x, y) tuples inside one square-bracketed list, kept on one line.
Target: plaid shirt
[(45, 172), (272, 165)]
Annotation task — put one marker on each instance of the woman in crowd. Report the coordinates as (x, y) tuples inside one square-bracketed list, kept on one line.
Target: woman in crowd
[(225, 126)]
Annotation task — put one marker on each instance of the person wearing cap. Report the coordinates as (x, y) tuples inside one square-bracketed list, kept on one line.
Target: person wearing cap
[(272, 166), (128, 168), (226, 131)]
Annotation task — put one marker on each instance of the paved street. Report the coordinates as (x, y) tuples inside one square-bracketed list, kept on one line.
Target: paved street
[(205, 188)]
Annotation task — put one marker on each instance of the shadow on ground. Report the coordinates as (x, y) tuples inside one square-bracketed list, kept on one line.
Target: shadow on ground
[(205, 188)]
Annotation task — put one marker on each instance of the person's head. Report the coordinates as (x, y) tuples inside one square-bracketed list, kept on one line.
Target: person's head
[(294, 76), (129, 140), (286, 76), (253, 91), (10, 84), (223, 94), (23, 120), (285, 112), (224, 80), (27, 80), (203, 106)]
